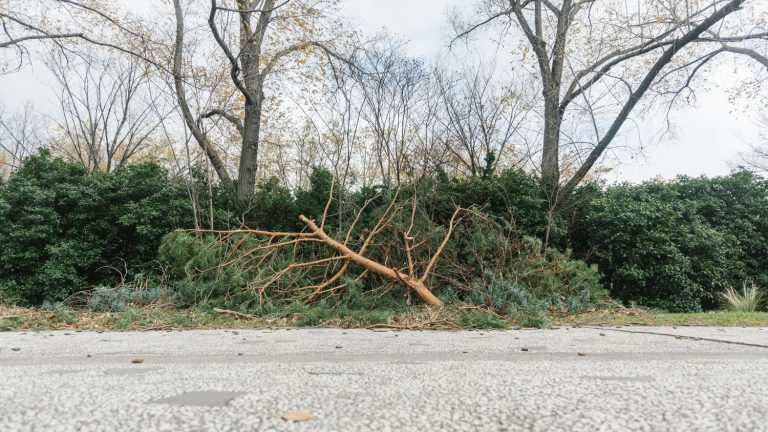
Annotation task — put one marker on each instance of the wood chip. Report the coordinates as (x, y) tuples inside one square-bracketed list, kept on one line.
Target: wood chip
[(137, 360), (298, 416)]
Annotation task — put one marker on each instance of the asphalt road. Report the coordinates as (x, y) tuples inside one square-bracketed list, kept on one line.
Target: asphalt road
[(570, 379)]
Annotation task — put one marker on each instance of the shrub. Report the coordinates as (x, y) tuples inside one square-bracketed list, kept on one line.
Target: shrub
[(537, 281), (192, 262), (748, 300), (737, 206), (64, 227), (656, 249), (140, 292), (481, 320), (512, 196)]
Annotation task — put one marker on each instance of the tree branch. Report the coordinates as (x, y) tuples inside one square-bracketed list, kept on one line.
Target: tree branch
[(228, 116)]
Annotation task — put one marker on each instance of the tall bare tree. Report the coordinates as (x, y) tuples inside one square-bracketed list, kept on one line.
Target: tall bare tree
[(21, 133), (393, 89), (757, 158), (268, 34), (482, 119), (108, 114), (598, 59)]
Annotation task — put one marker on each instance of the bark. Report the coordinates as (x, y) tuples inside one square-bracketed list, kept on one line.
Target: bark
[(533, 16), (415, 285), (638, 94), (181, 98), (246, 178)]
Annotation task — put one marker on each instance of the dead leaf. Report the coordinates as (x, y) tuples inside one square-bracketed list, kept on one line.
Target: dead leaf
[(298, 416), (137, 360)]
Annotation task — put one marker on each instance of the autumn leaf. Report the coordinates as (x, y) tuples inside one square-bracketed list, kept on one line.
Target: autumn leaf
[(298, 416)]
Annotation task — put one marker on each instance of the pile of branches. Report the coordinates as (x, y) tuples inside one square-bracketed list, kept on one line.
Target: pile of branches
[(310, 264)]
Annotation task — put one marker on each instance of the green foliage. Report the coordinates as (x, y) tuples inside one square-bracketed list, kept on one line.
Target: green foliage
[(512, 196), (141, 292), (538, 281), (271, 207), (737, 206), (562, 282), (313, 200), (64, 227), (194, 264), (669, 245), (473, 319), (486, 250), (109, 299), (61, 313), (676, 245)]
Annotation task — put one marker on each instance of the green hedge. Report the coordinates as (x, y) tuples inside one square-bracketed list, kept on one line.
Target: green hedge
[(676, 245), (64, 229), (672, 245)]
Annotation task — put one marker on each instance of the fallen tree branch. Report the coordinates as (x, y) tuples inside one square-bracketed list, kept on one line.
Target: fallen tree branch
[(236, 314), (309, 272), (416, 285)]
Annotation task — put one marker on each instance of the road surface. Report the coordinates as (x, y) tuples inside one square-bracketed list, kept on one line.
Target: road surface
[(582, 379)]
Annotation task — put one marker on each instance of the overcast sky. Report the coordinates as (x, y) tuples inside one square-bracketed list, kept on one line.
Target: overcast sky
[(708, 140)]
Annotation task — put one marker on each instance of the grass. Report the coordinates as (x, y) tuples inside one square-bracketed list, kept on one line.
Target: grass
[(417, 317), (131, 319), (144, 319), (655, 318), (748, 300)]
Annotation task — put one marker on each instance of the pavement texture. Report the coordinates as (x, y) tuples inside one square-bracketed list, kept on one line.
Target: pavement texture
[(569, 379)]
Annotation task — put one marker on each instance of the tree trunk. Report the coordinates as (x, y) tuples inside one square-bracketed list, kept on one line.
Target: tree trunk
[(550, 157), (411, 282), (246, 179)]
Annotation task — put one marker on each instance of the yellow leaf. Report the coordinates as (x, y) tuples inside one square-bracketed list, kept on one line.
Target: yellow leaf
[(298, 416)]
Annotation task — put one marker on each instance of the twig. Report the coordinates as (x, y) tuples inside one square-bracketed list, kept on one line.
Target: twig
[(236, 314)]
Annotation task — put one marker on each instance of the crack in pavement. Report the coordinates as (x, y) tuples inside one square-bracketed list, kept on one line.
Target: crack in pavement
[(678, 336)]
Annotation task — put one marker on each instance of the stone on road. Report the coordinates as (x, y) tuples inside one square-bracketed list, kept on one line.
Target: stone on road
[(582, 379)]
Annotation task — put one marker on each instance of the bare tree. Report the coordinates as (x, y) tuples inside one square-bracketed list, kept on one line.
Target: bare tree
[(598, 59), (757, 159), (268, 34), (393, 89), (334, 122), (20, 135), (108, 113), (482, 118), (69, 22)]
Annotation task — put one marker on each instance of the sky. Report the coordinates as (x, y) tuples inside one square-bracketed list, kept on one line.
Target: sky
[(708, 138)]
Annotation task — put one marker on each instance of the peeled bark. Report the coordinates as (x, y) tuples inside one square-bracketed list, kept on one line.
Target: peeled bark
[(414, 284)]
